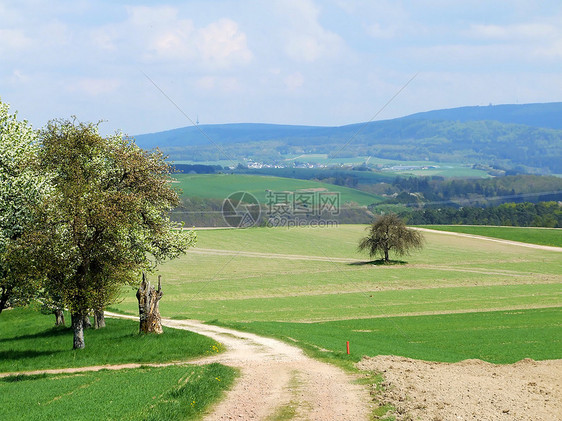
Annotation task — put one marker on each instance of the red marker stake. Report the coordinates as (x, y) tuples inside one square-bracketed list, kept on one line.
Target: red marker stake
[(347, 347)]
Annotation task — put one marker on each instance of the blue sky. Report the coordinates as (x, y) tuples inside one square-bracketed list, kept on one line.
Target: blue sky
[(329, 62)]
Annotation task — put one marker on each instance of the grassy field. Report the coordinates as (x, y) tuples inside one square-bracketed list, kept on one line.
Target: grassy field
[(542, 236), (29, 342), (275, 279), (220, 186), (496, 336), (163, 393)]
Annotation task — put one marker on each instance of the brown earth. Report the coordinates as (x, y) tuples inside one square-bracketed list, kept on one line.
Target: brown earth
[(469, 390)]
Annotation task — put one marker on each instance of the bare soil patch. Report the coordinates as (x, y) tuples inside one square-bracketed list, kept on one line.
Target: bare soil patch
[(469, 390)]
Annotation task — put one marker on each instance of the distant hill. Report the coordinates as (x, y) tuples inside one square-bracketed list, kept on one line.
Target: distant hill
[(525, 138), (226, 133), (547, 115)]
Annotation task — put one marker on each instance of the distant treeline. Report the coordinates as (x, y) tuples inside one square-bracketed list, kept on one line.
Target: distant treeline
[(515, 188), (198, 168), (543, 214)]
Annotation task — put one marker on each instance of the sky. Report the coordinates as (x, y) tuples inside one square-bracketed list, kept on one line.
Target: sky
[(148, 66)]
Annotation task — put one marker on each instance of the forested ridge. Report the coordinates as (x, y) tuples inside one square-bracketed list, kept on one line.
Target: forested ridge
[(441, 137)]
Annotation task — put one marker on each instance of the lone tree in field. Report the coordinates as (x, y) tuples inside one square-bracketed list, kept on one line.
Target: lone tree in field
[(389, 233), (107, 218), (21, 188)]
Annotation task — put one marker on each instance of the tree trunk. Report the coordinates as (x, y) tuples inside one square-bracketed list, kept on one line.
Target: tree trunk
[(149, 314), (59, 317), (99, 319), (78, 329), (86, 323), (4, 297), (386, 255)]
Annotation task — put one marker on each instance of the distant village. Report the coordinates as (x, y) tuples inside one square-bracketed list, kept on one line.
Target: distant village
[(250, 163)]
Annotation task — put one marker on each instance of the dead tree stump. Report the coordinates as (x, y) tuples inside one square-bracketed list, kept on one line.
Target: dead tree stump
[(59, 317), (99, 319), (149, 314)]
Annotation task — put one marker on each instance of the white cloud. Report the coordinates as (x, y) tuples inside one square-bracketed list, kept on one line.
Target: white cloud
[(94, 86), (163, 36), (377, 31), (218, 84), (18, 77), (294, 81), (305, 38), (223, 43), (14, 40), (515, 32), (149, 17), (55, 33)]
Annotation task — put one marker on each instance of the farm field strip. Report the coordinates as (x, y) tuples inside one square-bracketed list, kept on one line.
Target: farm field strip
[(365, 303), (481, 236), (268, 255), (220, 186), (316, 274)]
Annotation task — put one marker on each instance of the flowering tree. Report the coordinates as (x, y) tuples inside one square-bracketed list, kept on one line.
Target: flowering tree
[(21, 189), (107, 218)]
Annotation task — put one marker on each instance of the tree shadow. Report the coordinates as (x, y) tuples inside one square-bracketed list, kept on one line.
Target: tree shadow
[(19, 355), (49, 333), (23, 377), (378, 262)]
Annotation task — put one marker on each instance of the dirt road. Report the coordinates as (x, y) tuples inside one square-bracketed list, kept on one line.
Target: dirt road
[(276, 377)]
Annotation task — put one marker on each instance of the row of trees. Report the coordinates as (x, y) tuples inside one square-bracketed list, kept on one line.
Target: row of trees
[(542, 214), (513, 188), (81, 215)]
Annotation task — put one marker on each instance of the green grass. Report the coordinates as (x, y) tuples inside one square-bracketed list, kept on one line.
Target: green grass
[(542, 236), (497, 337), (167, 393), (450, 275), (220, 186), (28, 341)]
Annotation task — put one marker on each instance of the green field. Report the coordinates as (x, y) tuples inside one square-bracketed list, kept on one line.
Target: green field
[(266, 277), (220, 186), (28, 341), (497, 336), (542, 236), (151, 393)]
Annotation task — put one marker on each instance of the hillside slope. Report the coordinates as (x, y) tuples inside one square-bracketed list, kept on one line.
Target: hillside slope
[(525, 137)]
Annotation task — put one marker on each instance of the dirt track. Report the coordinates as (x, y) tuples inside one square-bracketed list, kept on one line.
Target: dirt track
[(275, 375)]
